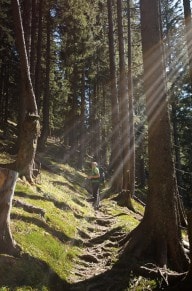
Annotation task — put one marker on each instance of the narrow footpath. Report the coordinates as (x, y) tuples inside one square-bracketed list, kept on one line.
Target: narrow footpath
[(100, 253)]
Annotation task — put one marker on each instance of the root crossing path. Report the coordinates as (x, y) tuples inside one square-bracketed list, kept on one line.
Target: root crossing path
[(101, 248)]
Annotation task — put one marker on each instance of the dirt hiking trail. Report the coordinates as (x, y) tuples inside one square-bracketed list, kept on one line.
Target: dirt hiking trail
[(93, 269)]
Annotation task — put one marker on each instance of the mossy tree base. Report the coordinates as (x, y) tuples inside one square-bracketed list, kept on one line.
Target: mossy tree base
[(24, 163)]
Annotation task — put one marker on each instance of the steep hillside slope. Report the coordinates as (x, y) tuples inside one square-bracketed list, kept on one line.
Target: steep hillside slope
[(65, 243)]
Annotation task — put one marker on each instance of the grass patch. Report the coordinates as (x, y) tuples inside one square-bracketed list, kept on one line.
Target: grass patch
[(50, 240)]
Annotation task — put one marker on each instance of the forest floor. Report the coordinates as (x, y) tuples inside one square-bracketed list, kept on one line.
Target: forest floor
[(94, 268), (65, 244), (100, 252)]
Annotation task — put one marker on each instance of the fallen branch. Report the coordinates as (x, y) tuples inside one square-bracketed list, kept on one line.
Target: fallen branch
[(154, 272)]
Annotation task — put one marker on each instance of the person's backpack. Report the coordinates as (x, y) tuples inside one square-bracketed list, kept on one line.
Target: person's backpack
[(102, 175)]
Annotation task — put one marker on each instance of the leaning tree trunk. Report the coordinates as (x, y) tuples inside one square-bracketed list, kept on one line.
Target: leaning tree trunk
[(7, 186), (30, 127)]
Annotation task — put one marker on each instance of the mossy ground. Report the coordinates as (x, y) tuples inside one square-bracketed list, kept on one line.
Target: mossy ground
[(52, 226)]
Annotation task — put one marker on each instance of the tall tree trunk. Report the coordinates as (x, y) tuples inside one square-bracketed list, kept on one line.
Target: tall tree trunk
[(6, 102), (33, 41), (131, 106), (103, 132), (30, 126), (188, 27), (27, 25), (45, 123), (94, 124), (159, 230), (83, 133), (27, 36), (189, 219), (124, 116), (39, 53), (116, 181)]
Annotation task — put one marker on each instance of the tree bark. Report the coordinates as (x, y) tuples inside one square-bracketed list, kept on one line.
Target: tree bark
[(131, 106), (33, 41), (7, 185), (46, 97), (159, 230), (116, 181), (27, 25), (30, 104), (39, 53), (125, 196), (30, 127), (28, 145), (188, 27), (189, 219)]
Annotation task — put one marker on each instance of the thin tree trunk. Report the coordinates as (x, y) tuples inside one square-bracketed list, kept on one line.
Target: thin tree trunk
[(46, 97), (131, 106), (33, 41), (124, 111), (116, 181), (188, 27), (6, 99), (39, 53), (27, 25), (83, 133)]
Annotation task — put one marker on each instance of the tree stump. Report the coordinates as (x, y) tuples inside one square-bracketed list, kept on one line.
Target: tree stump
[(7, 186)]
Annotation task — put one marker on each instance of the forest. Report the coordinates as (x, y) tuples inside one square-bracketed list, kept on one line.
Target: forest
[(106, 81)]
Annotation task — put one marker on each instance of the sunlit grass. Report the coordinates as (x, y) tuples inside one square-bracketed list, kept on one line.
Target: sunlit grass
[(123, 217), (52, 241), (40, 244)]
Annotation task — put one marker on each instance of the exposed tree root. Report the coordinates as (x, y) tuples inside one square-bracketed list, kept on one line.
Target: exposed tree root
[(123, 199), (28, 207), (104, 236)]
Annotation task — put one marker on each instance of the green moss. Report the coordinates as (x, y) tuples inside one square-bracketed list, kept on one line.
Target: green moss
[(50, 242)]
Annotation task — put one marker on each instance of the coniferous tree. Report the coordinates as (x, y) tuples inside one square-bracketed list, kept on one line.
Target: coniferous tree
[(159, 230), (131, 105), (124, 114), (38, 73), (115, 137), (30, 127), (188, 27)]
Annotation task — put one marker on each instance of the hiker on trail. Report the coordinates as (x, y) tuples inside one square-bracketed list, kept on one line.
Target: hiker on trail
[(95, 181)]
